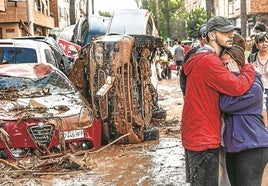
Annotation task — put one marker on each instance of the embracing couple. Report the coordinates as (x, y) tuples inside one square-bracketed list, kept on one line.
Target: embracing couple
[(223, 110)]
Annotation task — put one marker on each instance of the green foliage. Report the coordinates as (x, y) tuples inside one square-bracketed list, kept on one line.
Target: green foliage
[(195, 19), (105, 14), (182, 25), (172, 28)]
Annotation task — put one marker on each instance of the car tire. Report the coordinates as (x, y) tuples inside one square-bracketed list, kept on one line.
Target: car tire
[(159, 114), (151, 134)]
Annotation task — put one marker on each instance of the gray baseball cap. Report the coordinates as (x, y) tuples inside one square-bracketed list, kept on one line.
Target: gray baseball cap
[(221, 24), (202, 30)]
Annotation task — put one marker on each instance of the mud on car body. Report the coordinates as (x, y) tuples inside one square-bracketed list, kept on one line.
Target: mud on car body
[(114, 73), (42, 113)]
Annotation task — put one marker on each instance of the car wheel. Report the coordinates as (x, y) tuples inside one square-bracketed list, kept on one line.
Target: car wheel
[(160, 113), (151, 134)]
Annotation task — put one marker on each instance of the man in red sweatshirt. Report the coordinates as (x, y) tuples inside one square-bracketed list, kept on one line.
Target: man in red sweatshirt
[(201, 120)]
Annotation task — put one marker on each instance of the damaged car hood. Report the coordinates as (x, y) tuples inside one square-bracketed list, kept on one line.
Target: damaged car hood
[(52, 106), (37, 91)]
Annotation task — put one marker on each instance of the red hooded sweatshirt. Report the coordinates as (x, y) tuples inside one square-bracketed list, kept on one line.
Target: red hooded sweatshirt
[(206, 78)]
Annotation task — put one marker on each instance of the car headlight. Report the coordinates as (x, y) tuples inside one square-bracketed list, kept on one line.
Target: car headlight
[(86, 116)]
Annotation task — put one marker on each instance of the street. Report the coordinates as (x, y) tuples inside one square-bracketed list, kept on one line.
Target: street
[(151, 163)]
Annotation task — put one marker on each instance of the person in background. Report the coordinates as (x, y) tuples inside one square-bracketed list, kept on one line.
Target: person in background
[(207, 77), (158, 65), (259, 27), (260, 61), (245, 136), (248, 46), (186, 47), (175, 44), (202, 37), (178, 56), (165, 57)]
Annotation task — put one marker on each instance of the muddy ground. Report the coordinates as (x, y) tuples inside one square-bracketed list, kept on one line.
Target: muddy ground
[(151, 163)]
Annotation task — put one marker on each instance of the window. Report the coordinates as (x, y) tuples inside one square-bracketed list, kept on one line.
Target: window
[(231, 7), (37, 6), (10, 55), (50, 58)]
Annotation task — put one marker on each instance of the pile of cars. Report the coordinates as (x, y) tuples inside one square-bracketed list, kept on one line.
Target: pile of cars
[(42, 112), (52, 106)]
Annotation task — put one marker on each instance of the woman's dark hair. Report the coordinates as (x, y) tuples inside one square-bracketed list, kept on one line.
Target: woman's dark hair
[(239, 40), (260, 37), (237, 53), (261, 27)]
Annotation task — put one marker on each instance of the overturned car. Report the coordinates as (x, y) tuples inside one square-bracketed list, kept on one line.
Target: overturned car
[(42, 113), (114, 73)]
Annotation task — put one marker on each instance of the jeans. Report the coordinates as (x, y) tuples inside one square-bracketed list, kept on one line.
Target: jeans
[(246, 168), (202, 168)]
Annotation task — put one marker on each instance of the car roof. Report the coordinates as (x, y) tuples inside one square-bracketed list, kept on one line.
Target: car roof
[(45, 39), (40, 48), (39, 43), (54, 45), (21, 43)]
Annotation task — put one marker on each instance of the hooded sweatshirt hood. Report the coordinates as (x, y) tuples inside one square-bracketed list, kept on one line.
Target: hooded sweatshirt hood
[(200, 53)]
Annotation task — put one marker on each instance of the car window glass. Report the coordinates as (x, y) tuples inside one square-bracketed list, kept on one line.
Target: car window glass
[(50, 58), (12, 55)]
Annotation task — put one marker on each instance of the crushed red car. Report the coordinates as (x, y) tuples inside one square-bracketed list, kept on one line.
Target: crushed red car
[(42, 113)]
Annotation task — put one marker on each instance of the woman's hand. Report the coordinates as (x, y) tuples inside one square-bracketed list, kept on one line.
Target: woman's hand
[(233, 66)]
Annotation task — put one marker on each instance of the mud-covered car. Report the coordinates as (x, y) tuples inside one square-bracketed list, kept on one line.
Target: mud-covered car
[(42, 113), (114, 73)]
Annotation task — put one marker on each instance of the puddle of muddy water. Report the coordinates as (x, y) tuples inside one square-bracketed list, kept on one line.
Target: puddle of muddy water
[(168, 163), (162, 164)]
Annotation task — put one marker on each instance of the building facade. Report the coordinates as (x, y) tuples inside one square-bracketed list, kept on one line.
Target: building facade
[(47, 16), (14, 19)]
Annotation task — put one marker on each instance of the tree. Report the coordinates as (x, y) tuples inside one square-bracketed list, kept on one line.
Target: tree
[(244, 19), (168, 17), (210, 8), (195, 19), (105, 14)]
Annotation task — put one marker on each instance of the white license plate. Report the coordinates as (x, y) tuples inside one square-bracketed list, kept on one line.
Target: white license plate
[(73, 134)]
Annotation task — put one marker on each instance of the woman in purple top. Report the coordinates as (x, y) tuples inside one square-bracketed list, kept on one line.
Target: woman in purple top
[(245, 136)]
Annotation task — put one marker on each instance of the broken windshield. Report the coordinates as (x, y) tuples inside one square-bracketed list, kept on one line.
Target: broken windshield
[(53, 83)]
